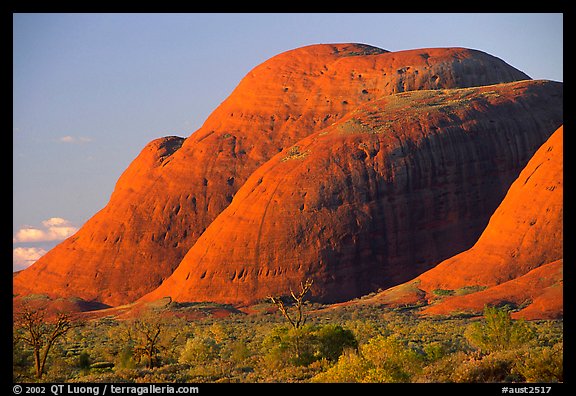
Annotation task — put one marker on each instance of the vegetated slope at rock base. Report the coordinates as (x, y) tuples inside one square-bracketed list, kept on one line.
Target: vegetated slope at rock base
[(516, 261), (81, 311), (537, 294), (176, 187), (75, 307), (375, 199)]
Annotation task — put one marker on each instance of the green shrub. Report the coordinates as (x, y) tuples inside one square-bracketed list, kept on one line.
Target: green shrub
[(239, 352), (391, 360), (125, 358), (84, 360), (351, 367), (498, 331), (307, 344), (366, 329), (468, 290), (332, 340), (383, 359), (199, 350), (443, 292), (442, 369), (472, 368), (542, 364), (495, 367), (434, 351)]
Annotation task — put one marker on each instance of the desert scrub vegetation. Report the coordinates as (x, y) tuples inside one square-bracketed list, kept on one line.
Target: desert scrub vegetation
[(357, 343), (363, 50), (295, 153), (371, 126)]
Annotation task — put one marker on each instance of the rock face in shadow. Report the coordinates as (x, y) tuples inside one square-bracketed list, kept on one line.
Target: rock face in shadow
[(176, 187), (518, 258), (525, 231), (374, 200)]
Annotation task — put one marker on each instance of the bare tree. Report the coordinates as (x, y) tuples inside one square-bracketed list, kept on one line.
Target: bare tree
[(299, 319), (147, 334), (41, 334)]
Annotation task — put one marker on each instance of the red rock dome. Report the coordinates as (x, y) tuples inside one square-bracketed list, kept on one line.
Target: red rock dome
[(375, 199), (176, 187)]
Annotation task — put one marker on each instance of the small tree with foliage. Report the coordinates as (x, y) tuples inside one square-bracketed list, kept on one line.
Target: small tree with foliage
[(145, 334), (199, 350), (333, 340), (498, 331), (41, 334)]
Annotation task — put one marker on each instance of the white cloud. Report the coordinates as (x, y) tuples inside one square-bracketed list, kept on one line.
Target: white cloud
[(29, 235), (75, 139), (53, 229), (67, 139), (23, 257), (55, 222)]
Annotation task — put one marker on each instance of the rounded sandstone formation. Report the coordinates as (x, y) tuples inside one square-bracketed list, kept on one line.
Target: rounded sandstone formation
[(173, 191), (373, 200)]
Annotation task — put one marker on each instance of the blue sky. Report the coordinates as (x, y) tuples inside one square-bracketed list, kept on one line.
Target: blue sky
[(90, 90)]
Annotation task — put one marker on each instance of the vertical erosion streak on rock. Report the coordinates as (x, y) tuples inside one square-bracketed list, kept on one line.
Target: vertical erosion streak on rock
[(260, 227)]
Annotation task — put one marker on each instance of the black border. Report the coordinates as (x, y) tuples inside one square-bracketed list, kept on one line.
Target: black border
[(445, 388)]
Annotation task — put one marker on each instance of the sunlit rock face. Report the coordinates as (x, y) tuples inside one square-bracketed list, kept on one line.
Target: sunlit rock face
[(176, 188), (373, 200)]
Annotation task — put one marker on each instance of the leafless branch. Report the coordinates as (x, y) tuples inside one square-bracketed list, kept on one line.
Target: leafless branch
[(298, 301)]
